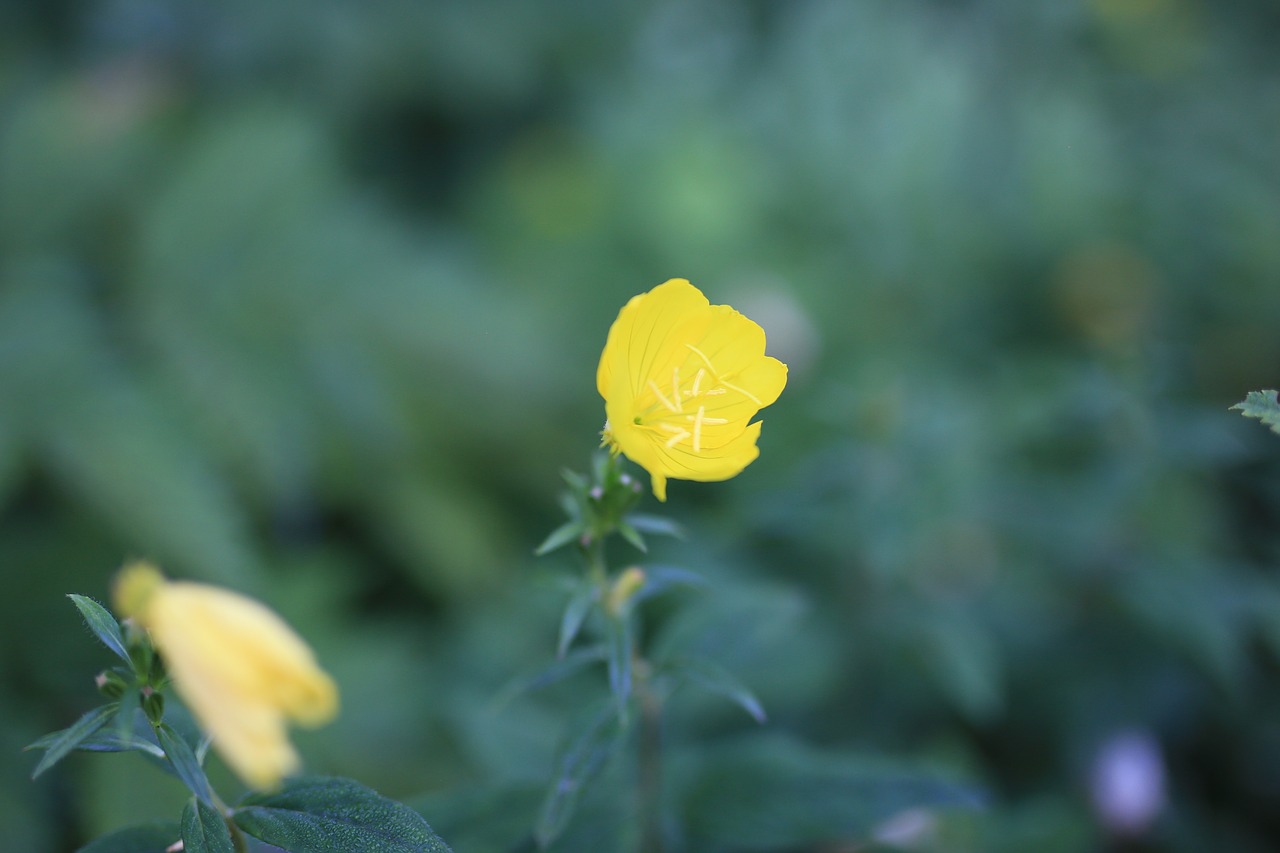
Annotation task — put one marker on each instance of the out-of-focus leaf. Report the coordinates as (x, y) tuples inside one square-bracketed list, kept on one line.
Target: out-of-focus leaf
[(621, 649), (102, 624), (656, 524), (632, 535), (314, 814), (1262, 405), (575, 613), (557, 671), (568, 532), (204, 830), (716, 679), (592, 745), (659, 579), (57, 745), (773, 794), (152, 838)]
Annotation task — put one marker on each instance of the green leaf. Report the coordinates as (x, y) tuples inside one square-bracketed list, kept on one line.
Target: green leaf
[(659, 579), (1263, 405), (632, 535), (621, 648), (779, 794), (568, 532), (204, 830), (557, 671), (102, 624), (656, 524), (316, 814), (184, 762), (597, 741), (575, 613), (106, 739), (716, 679), (58, 744), (150, 838)]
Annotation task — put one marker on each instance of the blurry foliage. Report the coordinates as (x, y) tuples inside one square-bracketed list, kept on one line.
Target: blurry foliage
[(306, 298)]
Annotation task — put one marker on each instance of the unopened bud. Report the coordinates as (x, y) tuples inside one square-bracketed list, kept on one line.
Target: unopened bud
[(624, 588), (110, 684), (153, 706)]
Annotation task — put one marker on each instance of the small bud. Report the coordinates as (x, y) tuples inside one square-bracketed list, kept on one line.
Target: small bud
[(624, 588), (110, 684), (596, 493), (153, 706)]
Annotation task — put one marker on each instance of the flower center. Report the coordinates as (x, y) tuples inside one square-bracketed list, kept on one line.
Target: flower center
[(681, 408)]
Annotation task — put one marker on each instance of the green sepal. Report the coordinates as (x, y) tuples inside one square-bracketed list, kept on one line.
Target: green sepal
[(599, 740), (58, 744), (149, 838), (316, 814), (103, 625), (204, 830), (712, 677), (1263, 405), (575, 614), (570, 531), (184, 762)]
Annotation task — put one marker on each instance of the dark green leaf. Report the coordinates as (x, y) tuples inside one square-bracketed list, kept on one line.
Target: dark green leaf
[(1263, 405), (712, 677), (184, 762), (151, 838), (329, 815), (595, 743), (575, 613), (102, 624), (772, 794), (568, 532), (557, 671), (58, 744), (204, 830), (107, 739), (656, 524)]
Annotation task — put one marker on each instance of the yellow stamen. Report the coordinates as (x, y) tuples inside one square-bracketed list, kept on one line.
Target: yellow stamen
[(653, 386)]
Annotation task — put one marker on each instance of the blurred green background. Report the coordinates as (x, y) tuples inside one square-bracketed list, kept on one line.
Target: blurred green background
[(305, 298)]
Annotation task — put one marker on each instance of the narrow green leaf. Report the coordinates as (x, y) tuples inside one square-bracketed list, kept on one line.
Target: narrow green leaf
[(659, 579), (557, 671), (621, 649), (632, 535), (1263, 405), (150, 838), (106, 739), (127, 717), (656, 524), (568, 532), (596, 742), (184, 762), (103, 625), (58, 744), (575, 613), (577, 482), (204, 830), (329, 815), (712, 677)]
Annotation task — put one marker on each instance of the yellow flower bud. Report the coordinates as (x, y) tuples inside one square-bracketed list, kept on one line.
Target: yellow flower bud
[(237, 666), (627, 584)]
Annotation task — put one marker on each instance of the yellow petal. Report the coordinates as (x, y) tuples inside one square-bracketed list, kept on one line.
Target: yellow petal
[(238, 667)]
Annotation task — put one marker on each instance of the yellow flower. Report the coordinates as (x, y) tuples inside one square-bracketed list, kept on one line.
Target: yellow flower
[(239, 668), (681, 380)]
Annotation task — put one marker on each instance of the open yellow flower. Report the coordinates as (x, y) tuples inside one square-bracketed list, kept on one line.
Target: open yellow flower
[(240, 669), (681, 380)]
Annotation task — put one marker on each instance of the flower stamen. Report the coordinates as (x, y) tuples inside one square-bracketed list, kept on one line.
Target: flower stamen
[(653, 386)]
